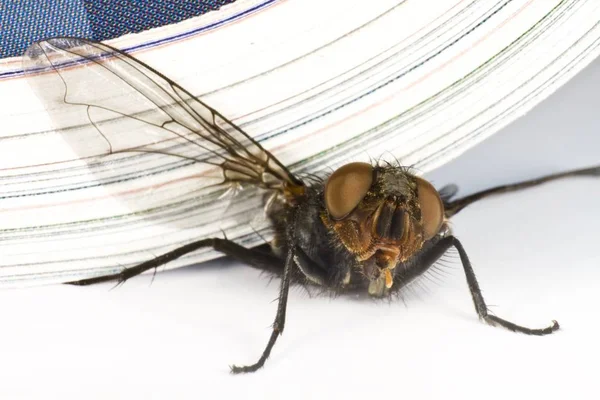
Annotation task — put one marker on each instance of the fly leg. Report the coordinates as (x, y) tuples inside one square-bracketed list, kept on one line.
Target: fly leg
[(279, 322), (479, 302), (453, 207), (258, 259), (255, 258), (431, 252)]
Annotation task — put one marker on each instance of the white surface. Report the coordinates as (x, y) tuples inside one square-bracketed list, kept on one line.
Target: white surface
[(535, 253)]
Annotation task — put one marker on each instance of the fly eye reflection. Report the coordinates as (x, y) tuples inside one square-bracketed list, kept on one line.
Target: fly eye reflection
[(432, 208), (346, 188)]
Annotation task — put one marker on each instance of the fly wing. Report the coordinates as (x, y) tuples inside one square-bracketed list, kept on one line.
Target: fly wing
[(170, 160), (131, 108)]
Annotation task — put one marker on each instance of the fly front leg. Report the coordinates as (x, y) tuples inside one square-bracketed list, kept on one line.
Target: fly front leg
[(279, 322), (479, 302)]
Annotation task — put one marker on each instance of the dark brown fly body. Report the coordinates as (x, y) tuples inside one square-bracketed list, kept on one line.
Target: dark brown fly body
[(366, 228)]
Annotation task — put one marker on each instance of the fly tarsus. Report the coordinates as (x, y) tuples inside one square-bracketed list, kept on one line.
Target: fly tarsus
[(497, 321), (235, 369), (119, 277)]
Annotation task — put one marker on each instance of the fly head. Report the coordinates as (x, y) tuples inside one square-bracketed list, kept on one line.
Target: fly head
[(382, 215)]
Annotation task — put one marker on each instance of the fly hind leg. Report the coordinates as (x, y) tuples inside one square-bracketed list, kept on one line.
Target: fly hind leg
[(258, 259), (453, 207)]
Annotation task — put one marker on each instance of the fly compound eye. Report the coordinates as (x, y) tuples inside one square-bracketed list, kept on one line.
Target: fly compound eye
[(346, 187), (432, 208)]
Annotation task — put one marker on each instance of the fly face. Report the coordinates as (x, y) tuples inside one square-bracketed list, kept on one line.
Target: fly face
[(382, 215)]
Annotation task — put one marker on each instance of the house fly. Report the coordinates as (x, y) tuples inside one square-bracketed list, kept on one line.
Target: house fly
[(369, 228)]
